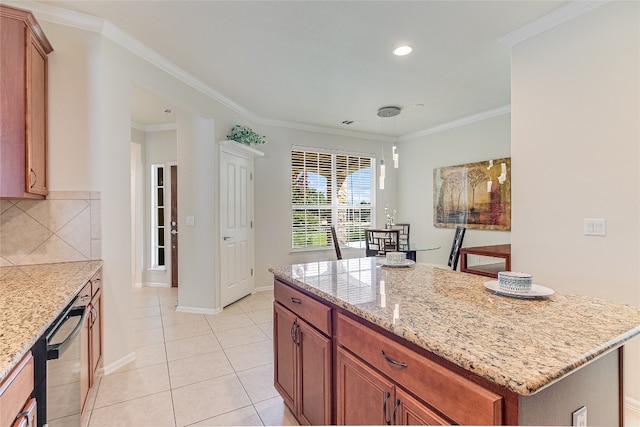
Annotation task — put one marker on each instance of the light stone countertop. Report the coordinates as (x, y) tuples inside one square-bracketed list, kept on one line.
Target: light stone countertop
[(521, 344), (31, 297)]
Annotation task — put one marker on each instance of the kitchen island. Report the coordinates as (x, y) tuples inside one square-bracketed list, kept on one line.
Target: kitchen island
[(513, 361)]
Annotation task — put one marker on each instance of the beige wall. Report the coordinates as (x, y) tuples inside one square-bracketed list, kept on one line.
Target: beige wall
[(483, 140), (575, 154)]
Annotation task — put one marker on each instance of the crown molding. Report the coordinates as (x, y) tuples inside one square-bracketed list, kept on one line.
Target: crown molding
[(325, 130), (463, 121), (101, 26), (551, 20), (153, 128), (107, 29)]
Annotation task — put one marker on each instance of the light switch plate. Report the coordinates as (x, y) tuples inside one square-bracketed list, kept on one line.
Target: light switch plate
[(191, 220), (595, 227), (580, 417)]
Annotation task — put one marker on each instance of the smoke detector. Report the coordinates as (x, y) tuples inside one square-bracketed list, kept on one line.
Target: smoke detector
[(390, 111)]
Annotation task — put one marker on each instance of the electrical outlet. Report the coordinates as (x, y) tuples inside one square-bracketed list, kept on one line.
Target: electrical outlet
[(580, 417)]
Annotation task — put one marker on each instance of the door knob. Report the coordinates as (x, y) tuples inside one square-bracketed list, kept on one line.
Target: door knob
[(227, 237), (174, 232)]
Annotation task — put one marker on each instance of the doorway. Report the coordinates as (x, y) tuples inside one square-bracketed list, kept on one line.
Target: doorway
[(174, 226), (236, 226)]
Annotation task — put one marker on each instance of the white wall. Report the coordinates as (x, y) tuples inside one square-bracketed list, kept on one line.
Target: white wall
[(483, 140), (273, 195), (575, 154)]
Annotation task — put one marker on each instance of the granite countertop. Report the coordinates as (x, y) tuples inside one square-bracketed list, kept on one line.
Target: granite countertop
[(31, 297), (523, 345)]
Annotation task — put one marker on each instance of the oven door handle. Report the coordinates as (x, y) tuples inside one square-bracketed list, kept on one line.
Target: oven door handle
[(55, 350)]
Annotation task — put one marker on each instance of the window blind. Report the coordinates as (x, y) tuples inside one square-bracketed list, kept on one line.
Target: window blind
[(329, 188)]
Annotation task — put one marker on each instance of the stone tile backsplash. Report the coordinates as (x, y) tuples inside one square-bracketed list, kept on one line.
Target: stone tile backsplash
[(64, 227)]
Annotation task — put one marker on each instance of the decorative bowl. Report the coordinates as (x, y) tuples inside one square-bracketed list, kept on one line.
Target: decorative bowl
[(514, 281)]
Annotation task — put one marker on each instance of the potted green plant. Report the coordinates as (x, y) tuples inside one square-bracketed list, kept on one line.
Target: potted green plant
[(245, 135)]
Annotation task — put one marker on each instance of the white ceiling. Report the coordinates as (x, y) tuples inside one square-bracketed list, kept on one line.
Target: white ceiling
[(317, 63)]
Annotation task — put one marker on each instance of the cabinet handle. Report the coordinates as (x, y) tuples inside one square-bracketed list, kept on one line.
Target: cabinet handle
[(395, 409), (384, 408), (293, 327), (390, 360), (35, 178), (297, 334), (296, 300)]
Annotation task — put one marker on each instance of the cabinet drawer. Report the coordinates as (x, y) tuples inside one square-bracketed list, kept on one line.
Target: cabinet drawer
[(314, 312), (458, 398), (15, 390)]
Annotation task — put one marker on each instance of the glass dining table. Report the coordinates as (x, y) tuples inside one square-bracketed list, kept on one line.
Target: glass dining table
[(413, 249), (391, 235)]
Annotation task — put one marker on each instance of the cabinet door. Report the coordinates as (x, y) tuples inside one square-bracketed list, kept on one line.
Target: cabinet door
[(314, 371), (363, 397), (36, 141), (410, 412), (96, 335), (85, 382), (284, 359)]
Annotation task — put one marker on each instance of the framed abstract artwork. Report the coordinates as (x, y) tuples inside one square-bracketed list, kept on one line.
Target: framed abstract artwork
[(474, 195)]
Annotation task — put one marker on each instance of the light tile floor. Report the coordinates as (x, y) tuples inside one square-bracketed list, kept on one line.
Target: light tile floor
[(194, 369)]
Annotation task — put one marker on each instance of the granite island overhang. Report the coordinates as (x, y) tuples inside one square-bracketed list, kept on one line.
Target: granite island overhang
[(523, 345)]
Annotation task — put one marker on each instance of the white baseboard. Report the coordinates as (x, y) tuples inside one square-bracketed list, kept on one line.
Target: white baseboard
[(112, 367), (155, 285), (632, 405), (263, 288), (198, 310)]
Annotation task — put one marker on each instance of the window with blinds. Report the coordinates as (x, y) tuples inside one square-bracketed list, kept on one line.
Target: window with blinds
[(329, 188)]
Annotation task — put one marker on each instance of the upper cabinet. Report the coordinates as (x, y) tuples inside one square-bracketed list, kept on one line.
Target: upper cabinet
[(23, 105)]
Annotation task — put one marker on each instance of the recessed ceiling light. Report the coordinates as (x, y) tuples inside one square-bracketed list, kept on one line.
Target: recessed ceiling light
[(402, 50)]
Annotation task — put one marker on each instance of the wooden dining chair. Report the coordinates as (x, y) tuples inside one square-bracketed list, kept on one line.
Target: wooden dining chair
[(336, 243), (379, 242), (403, 239), (454, 255)]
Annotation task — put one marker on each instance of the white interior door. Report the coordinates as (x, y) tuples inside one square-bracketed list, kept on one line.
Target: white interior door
[(236, 197)]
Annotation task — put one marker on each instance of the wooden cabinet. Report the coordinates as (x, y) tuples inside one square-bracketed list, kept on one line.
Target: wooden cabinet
[(91, 338), (447, 396), (23, 105), (365, 397), (17, 407), (95, 329), (302, 359)]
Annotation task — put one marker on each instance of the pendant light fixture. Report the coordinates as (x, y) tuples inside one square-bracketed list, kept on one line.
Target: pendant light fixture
[(392, 111)]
